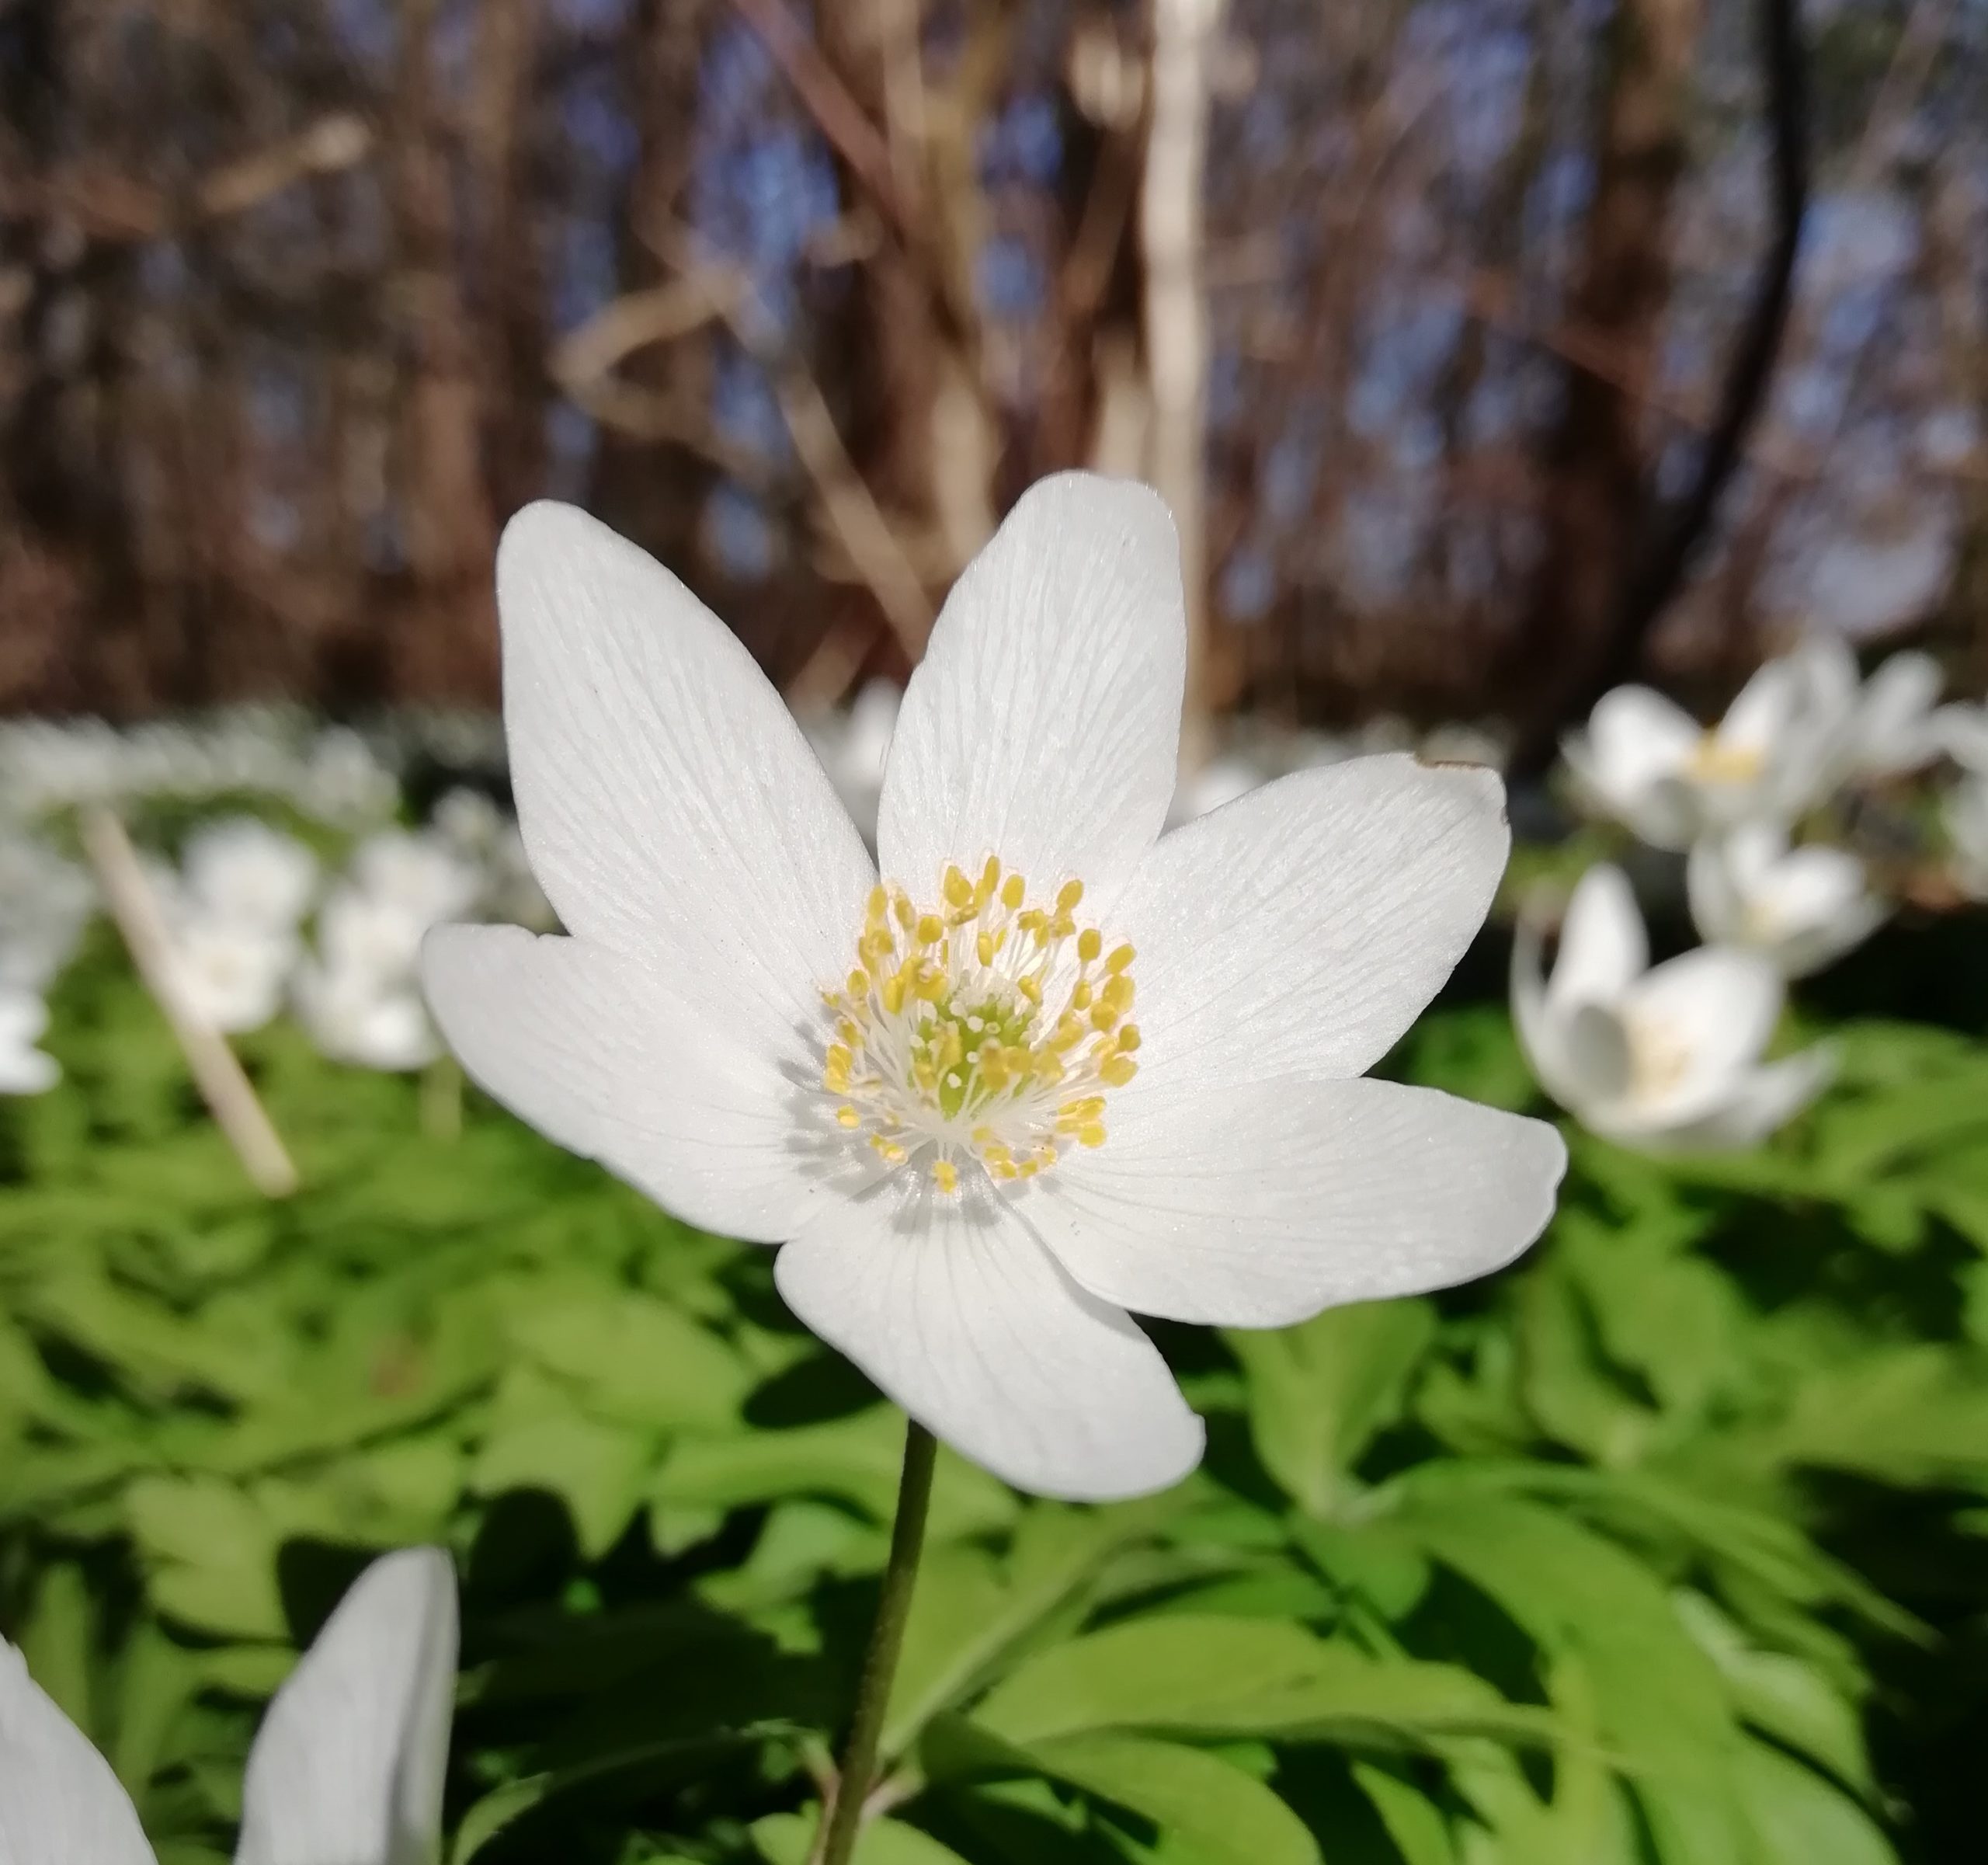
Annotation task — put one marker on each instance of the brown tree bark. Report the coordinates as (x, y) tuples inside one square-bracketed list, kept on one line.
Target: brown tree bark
[(446, 645), (1594, 469)]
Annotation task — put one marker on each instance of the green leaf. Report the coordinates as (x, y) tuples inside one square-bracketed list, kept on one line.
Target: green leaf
[(1318, 1393), (1658, 1698), (621, 1775), (1219, 1814), (211, 1553), (1218, 1677), (969, 1612), (1800, 1819), (631, 1358), (1414, 1822), (788, 1838), (856, 1460), (600, 1472)]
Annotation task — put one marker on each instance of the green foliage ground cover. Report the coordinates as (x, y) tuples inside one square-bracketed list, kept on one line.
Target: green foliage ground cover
[(1638, 1553)]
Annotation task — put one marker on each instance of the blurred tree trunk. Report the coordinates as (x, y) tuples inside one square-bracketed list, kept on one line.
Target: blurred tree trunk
[(1595, 478), (447, 645), (655, 490), (1172, 232), (511, 283)]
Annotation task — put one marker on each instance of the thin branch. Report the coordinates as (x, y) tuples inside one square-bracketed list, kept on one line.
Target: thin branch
[(230, 1095), (837, 113)]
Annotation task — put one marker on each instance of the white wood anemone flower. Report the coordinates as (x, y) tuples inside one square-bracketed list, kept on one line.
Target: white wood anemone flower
[(24, 1069), (1644, 761), (1666, 1057), (346, 1769), (1051, 1067), (1802, 907)]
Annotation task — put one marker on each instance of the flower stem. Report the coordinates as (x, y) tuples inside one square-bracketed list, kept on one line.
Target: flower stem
[(880, 1664)]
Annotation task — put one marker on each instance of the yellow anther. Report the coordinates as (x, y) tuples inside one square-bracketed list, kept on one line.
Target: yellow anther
[(946, 1022)]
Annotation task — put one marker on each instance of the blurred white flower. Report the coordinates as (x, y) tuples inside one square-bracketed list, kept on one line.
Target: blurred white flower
[(1962, 728), (929, 1090), (1802, 907), (473, 824), (1646, 761), (1886, 726), (1966, 816), (242, 872), (359, 996), (232, 972), (356, 1018), (347, 1768), (24, 1070), (46, 901), (342, 781), (1667, 1058), (421, 874)]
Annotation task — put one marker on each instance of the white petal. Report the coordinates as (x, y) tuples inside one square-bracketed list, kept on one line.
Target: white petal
[(1603, 948), (1300, 930), (963, 1318), (670, 805), (1962, 730), (1698, 1024), (1895, 728), (1043, 725), (347, 1768), (605, 1059), (1764, 1100), (60, 1802), (1764, 708), (1636, 736), (1257, 1208)]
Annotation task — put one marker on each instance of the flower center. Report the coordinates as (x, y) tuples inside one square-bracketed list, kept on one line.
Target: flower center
[(1660, 1057), (1712, 762), (983, 1030)]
